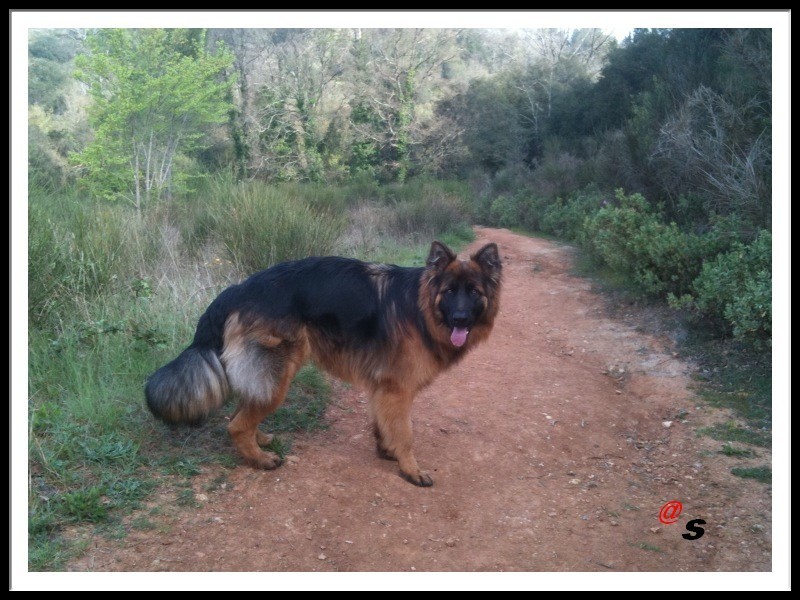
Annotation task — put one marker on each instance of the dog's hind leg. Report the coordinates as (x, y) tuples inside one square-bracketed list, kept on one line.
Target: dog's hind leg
[(244, 432), (392, 414), (260, 368), (252, 410)]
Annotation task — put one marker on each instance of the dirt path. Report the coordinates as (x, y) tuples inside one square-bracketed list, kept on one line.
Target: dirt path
[(549, 448)]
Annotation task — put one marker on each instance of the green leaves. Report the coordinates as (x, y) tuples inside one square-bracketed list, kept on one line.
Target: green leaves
[(738, 286), (154, 92), (629, 237)]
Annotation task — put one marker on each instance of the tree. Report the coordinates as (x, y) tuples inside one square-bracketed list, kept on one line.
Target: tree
[(398, 76), (56, 118), (286, 100), (489, 116), (705, 147), (507, 118), (557, 57), (50, 55), (247, 50), (155, 92), (697, 120), (304, 66)]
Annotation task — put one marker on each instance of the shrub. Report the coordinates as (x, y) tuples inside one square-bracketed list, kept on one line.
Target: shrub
[(533, 209), (737, 286), (631, 240), (520, 210), (505, 211), (558, 173), (566, 218)]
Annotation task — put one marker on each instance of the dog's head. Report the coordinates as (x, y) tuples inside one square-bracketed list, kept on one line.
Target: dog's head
[(464, 294)]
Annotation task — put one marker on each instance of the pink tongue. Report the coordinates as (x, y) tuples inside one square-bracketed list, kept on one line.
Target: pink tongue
[(459, 336)]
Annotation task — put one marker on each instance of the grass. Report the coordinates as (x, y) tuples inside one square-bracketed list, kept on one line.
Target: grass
[(730, 431), (281, 445), (730, 450), (261, 225), (762, 474), (732, 377), (114, 295), (185, 467), (304, 407), (84, 505), (47, 553), (648, 547), (142, 523)]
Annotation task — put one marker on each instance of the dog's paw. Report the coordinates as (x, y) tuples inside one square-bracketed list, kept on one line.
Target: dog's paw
[(266, 460), (421, 479)]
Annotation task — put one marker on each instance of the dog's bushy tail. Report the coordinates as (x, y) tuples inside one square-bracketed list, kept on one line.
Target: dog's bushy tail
[(188, 389)]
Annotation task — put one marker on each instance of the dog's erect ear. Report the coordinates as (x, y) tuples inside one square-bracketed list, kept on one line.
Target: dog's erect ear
[(440, 256), (488, 258)]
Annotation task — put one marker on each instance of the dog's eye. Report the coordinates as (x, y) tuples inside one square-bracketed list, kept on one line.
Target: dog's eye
[(450, 292), (474, 292)]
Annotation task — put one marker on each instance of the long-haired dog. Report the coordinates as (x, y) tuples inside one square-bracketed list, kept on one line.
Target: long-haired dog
[(390, 330)]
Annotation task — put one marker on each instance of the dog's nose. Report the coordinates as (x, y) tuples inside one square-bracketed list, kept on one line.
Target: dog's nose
[(460, 318)]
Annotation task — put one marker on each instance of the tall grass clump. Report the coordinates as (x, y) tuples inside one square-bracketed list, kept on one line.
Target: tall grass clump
[(262, 225), (422, 209), (427, 216), (73, 254), (397, 222)]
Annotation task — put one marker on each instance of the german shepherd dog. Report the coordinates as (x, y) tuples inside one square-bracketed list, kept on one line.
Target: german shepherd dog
[(387, 329)]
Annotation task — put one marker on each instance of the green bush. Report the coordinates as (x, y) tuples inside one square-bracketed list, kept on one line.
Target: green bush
[(531, 210), (608, 235), (737, 286), (670, 258), (521, 210), (505, 211), (566, 218), (631, 239)]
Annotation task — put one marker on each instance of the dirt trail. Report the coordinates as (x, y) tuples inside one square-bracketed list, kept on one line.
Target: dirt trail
[(548, 445)]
